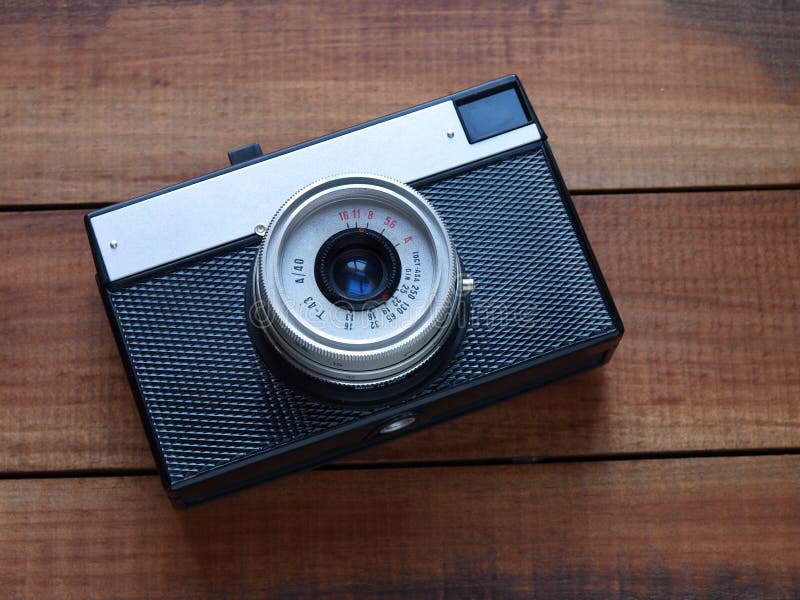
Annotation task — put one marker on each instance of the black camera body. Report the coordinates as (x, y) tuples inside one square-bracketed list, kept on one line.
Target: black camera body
[(174, 268)]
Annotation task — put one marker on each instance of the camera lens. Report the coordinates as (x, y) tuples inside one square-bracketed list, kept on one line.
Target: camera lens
[(357, 269), (356, 283), (357, 274)]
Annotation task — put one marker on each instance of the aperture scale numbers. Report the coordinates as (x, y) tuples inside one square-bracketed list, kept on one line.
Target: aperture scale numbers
[(389, 222)]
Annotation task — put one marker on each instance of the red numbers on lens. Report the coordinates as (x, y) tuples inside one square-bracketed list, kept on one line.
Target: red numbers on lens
[(355, 214)]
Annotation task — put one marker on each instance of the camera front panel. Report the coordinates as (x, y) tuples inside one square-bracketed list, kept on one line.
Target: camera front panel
[(207, 397), (174, 269)]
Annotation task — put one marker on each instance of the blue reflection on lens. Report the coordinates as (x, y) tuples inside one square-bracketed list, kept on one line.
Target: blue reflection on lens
[(358, 277)]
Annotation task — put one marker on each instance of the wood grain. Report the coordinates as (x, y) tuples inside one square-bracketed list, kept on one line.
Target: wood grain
[(102, 101), (688, 528), (707, 284)]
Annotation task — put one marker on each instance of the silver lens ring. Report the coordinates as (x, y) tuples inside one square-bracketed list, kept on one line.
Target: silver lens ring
[(390, 335)]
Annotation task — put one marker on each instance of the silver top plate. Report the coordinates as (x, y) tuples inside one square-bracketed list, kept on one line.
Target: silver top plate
[(176, 224)]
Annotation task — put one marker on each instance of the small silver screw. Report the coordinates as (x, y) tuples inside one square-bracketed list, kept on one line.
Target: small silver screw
[(261, 230), (114, 244), (451, 134), (467, 285)]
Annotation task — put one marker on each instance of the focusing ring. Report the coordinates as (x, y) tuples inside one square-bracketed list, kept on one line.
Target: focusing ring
[(358, 362)]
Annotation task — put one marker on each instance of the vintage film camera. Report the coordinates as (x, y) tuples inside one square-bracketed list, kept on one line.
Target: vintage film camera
[(299, 306)]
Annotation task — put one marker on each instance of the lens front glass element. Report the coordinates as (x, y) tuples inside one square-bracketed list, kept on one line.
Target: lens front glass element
[(357, 274), (357, 268)]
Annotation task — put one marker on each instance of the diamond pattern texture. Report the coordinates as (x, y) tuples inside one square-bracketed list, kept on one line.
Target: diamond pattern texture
[(210, 399)]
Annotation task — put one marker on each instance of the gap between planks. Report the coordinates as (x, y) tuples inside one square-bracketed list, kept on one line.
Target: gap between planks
[(90, 206), (354, 465)]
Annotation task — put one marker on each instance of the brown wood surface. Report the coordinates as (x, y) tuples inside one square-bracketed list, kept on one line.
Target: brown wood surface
[(708, 286), (687, 528), (646, 104), (102, 101)]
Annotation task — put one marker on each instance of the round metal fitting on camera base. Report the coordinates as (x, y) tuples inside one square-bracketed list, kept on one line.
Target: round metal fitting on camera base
[(397, 425), (356, 283)]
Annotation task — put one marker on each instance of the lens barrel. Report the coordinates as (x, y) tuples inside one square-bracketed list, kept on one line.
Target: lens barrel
[(357, 283)]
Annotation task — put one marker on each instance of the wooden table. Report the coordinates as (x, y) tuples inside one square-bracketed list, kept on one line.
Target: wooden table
[(673, 472)]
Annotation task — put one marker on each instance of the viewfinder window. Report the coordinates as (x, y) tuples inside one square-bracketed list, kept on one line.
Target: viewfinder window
[(492, 114)]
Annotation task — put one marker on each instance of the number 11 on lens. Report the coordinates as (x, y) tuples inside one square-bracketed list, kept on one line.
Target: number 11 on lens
[(346, 215)]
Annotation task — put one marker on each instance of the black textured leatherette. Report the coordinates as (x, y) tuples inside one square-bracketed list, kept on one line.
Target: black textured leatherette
[(207, 395)]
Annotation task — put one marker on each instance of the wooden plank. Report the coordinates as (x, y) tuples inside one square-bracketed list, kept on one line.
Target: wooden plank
[(104, 101), (689, 528), (708, 286)]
